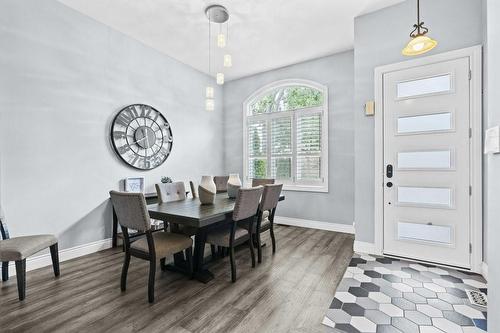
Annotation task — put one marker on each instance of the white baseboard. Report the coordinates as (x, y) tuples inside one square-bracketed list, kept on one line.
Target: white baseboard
[(66, 254), (338, 227), (364, 247), (484, 269)]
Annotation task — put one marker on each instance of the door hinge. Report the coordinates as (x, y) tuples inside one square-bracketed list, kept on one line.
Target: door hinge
[(470, 132), (470, 189), (470, 247), (470, 74)]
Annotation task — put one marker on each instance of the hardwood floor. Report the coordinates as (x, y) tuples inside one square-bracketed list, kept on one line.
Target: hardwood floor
[(288, 292)]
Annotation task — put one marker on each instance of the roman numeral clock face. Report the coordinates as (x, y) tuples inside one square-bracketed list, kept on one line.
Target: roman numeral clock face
[(141, 136)]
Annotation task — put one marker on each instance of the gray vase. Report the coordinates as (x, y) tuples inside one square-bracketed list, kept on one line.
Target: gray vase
[(233, 185)]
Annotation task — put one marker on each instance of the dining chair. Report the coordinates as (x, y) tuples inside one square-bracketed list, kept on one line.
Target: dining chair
[(229, 236), (267, 209), (132, 213), (221, 183), (262, 181), (17, 249)]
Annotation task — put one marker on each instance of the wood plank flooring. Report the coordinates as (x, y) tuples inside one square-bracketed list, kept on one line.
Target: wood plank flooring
[(287, 292)]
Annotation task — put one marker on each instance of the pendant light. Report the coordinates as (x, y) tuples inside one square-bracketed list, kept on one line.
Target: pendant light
[(419, 43)]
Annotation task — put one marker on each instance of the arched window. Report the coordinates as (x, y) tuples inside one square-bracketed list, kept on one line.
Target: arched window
[(286, 135)]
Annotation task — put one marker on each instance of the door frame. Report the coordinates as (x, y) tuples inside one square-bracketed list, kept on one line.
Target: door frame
[(476, 205)]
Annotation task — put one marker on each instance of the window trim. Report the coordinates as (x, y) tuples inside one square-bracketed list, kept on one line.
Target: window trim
[(291, 186)]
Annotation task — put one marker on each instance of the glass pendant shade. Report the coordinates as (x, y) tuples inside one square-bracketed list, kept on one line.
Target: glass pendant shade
[(210, 92), (220, 78), (419, 45), (209, 104), (228, 61), (221, 40)]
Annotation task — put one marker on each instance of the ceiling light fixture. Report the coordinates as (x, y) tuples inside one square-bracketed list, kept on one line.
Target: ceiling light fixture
[(216, 14), (419, 43)]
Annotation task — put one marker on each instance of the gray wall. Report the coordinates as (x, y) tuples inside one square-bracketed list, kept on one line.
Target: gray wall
[(492, 212), (336, 72), (379, 38), (63, 77)]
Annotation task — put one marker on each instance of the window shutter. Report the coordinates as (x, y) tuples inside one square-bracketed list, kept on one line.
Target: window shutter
[(309, 147), (257, 149), (281, 148)]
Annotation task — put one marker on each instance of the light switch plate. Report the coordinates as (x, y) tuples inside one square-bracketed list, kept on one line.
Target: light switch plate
[(370, 108), (492, 140)]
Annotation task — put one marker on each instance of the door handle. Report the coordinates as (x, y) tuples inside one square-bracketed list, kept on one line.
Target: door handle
[(388, 171)]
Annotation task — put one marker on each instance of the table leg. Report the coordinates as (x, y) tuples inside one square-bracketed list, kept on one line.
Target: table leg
[(200, 273)]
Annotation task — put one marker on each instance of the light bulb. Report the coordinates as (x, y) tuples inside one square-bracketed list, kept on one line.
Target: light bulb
[(228, 61), (220, 78), (210, 92), (209, 104), (221, 40)]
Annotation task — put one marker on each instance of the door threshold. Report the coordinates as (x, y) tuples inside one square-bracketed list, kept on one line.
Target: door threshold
[(426, 262)]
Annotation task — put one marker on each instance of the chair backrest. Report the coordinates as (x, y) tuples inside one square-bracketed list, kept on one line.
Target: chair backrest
[(270, 196), (4, 233), (261, 182), (221, 183), (193, 189), (247, 203), (168, 192), (131, 210)]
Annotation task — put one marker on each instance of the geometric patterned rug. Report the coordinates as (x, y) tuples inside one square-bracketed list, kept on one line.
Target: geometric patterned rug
[(380, 294)]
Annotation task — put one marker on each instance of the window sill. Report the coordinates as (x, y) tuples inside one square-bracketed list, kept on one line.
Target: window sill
[(305, 188)]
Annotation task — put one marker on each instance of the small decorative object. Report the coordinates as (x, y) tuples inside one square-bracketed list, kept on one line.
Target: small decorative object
[(141, 136), (134, 184), (419, 42), (166, 180), (207, 190), (233, 185)]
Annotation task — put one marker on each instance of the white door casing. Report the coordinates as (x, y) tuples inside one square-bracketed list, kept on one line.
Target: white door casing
[(430, 213)]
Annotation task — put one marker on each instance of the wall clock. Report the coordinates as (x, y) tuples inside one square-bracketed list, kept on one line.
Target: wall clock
[(141, 136)]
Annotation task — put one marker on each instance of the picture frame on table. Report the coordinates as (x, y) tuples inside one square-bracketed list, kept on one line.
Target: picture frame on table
[(134, 184)]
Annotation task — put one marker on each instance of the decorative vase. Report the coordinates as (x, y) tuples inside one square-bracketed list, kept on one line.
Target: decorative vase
[(207, 190), (233, 185)]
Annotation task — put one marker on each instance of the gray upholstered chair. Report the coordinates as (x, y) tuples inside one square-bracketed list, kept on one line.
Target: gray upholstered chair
[(262, 181), (221, 183), (17, 249), (245, 209), (170, 192), (267, 209), (132, 213)]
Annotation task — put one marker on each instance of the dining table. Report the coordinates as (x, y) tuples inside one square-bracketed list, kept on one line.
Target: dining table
[(203, 217)]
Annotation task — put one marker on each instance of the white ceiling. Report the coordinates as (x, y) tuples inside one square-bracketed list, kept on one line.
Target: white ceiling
[(263, 34)]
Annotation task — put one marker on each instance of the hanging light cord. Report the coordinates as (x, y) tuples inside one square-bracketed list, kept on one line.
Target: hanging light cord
[(209, 45), (419, 30)]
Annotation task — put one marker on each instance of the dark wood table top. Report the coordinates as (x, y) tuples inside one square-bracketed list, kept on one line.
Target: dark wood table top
[(191, 212)]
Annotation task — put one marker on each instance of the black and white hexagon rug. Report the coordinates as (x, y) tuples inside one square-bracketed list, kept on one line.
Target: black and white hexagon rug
[(380, 294)]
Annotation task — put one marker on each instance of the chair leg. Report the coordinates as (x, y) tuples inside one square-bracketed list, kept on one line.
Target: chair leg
[(220, 251), (151, 284), (250, 245), (189, 259), (5, 270), (163, 264), (259, 248), (233, 264), (213, 251), (21, 278), (126, 262), (54, 253), (273, 240)]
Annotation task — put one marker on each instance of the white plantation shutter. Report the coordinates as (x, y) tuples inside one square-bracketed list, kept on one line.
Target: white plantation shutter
[(257, 149), (286, 136), (309, 147), (281, 148)]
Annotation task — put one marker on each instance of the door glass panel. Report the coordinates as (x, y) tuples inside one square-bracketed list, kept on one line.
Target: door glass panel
[(425, 160), (424, 196), (430, 85), (424, 123), (425, 232)]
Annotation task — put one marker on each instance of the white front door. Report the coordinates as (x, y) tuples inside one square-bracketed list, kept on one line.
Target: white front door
[(427, 163)]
